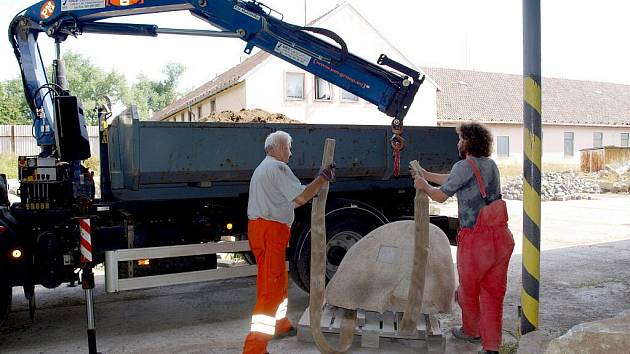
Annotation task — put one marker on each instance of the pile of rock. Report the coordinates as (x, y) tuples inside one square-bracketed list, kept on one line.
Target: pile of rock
[(614, 179), (555, 186)]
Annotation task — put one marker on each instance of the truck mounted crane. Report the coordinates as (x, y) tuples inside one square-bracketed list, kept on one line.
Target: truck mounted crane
[(188, 202)]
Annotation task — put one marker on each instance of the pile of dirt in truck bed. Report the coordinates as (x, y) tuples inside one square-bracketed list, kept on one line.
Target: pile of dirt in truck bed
[(248, 116)]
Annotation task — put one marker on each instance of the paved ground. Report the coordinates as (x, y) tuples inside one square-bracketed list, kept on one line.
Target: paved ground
[(585, 277)]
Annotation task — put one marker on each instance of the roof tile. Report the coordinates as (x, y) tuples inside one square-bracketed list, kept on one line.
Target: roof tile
[(496, 97)]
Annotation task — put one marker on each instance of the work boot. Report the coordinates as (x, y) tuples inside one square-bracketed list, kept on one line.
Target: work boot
[(459, 334), (292, 332)]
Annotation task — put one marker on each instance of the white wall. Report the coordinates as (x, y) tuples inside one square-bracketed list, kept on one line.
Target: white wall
[(266, 90), (232, 99), (553, 140)]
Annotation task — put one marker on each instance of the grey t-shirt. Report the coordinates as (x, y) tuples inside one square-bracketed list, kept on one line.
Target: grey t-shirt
[(462, 181), (271, 192)]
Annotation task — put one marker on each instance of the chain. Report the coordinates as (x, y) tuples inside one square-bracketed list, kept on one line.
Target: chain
[(398, 143)]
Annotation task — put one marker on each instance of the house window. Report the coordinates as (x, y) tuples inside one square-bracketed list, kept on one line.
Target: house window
[(348, 96), (597, 139), (503, 146), (213, 106), (323, 90), (190, 114), (568, 144), (294, 86), (182, 118), (624, 139), (198, 113)]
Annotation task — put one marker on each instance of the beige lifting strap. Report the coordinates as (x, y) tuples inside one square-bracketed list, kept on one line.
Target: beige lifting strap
[(318, 269), (420, 258), (318, 265)]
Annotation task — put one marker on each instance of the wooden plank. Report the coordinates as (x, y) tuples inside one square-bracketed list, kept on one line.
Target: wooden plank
[(372, 321), (372, 326), (327, 317), (337, 318), (422, 325), (388, 324), (185, 278), (182, 250), (305, 319), (370, 332), (434, 325), (360, 317)]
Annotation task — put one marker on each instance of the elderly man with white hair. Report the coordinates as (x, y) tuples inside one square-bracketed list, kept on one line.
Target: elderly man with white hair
[(274, 192)]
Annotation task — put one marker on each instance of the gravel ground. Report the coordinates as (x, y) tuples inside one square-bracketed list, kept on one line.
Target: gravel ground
[(585, 277)]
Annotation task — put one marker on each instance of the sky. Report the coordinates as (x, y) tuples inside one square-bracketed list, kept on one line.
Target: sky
[(581, 39)]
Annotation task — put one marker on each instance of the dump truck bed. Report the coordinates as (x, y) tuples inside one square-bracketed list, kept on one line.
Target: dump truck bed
[(151, 160)]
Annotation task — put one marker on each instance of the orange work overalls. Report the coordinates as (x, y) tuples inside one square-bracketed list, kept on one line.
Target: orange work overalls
[(268, 241)]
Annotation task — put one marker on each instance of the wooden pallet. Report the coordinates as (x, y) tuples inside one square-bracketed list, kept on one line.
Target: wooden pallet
[(372, 326)]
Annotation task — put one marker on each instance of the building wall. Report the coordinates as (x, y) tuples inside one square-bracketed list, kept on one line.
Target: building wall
[(553, 140), (232, 99), (266, 90)]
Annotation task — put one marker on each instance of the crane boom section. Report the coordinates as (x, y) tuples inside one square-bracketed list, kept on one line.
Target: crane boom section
[(391, 90)]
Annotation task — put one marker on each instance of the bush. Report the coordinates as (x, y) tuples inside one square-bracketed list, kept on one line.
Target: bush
[(513, 168), (8, 165), (94, 165)]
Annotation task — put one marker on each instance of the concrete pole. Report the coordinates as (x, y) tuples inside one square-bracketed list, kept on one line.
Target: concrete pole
[(532, 141)]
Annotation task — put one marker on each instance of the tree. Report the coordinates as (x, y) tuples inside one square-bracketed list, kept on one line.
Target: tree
[(148, 95), (13, 107), (90, 83)]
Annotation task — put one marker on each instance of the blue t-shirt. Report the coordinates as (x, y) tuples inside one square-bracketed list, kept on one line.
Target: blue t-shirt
[(462, 181)]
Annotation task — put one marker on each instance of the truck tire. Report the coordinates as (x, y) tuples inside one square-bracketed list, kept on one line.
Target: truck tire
[(345, 226), (5, 302)]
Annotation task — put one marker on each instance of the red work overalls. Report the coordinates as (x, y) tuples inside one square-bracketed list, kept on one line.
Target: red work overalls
[(483, 256)]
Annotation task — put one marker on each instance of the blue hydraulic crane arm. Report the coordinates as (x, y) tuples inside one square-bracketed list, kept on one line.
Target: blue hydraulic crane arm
[(392, 91)]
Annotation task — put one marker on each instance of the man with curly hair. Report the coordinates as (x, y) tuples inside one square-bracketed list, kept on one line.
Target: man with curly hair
[(485, 243)]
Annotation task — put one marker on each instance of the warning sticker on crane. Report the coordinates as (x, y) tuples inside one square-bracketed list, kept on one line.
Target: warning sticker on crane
[(247, 12), (72, 5), (293, 54)]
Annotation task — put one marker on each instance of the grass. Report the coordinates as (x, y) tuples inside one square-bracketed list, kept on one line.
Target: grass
[(8, 165), (510, 347), (94, 164)]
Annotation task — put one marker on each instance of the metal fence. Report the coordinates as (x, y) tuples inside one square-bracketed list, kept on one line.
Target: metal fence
[(19, 140)]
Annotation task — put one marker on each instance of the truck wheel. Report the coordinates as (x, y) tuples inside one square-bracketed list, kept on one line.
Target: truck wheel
[(5, 302), (344, 228)]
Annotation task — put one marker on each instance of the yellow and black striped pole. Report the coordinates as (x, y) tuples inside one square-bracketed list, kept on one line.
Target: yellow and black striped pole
[(532, 141)]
